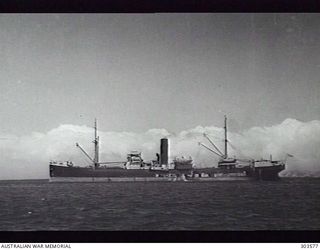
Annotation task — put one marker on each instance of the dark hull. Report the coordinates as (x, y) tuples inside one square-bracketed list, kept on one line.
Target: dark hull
[(268, 173), (59, 171), (63, 173)]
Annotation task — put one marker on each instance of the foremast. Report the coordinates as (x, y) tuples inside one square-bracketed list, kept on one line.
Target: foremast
[(95, 159), (225, 138), (96, 145)]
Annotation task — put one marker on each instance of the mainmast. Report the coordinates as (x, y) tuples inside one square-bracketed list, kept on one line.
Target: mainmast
[(225, 138), (218, 152), (96, 145)]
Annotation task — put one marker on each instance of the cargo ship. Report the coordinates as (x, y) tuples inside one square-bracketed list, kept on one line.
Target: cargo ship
[(160, 169)]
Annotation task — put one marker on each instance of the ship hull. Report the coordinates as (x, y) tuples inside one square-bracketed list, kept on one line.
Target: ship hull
[(80, 172), (268, 173), (146, 179), (86, 174), (112, 179), (223, 178)]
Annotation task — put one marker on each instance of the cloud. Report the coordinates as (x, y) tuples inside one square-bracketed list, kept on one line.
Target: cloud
[(27, 157)]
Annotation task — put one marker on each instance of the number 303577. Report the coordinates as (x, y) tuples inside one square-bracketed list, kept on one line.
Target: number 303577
[(309, 245)]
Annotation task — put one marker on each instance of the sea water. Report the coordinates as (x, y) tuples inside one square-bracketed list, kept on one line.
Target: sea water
[(288, 204)]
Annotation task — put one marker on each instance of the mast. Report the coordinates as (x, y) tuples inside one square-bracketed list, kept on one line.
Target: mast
[(219, 153), (96, 145), (95, 159), (225, 138)]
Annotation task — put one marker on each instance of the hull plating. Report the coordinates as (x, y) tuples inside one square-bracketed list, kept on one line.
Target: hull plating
[(79, 174), (146, 179)]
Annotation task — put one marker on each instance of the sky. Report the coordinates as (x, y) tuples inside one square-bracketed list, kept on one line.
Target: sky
[(140, 72)]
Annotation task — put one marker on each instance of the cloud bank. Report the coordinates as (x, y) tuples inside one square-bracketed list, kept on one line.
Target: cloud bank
[(27, 157)]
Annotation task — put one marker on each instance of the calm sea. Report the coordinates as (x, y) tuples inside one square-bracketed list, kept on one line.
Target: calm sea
[(289, 204)]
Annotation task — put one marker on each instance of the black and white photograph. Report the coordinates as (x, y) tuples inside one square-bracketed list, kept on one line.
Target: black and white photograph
[(159, 122)]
